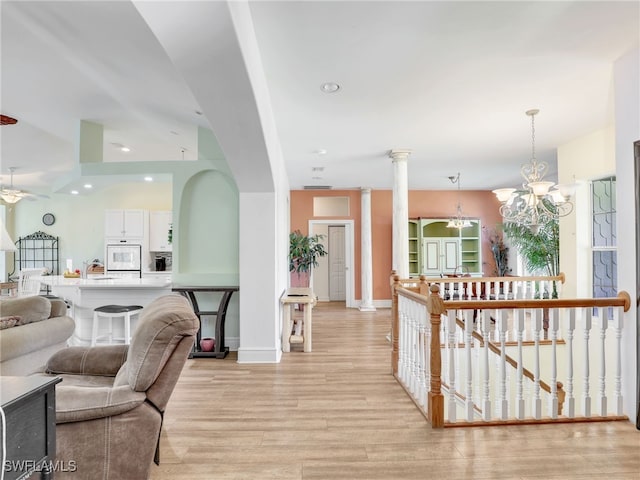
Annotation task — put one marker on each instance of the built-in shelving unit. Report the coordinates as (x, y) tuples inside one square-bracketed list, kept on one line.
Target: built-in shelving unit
[(435, 249)]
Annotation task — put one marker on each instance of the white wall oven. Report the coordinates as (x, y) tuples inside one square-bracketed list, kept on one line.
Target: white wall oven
[(124, 260)]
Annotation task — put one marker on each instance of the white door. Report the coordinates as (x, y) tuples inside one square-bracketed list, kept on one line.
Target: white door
[(336, 249)]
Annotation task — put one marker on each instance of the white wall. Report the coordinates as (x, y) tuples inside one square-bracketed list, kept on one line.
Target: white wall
[(587, 158), (627, 114)]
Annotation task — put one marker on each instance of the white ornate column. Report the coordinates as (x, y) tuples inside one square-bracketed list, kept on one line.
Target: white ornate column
[(366, 252), (400, 244)]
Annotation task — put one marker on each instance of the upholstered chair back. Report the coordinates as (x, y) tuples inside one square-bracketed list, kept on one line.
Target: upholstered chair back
[(165, 331)]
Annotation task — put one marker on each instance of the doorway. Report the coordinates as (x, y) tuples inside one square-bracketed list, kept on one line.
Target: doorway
[(337, 266), (334, 278)]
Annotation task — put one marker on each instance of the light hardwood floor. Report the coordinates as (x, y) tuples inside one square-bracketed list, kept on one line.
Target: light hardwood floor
[(338, 413)]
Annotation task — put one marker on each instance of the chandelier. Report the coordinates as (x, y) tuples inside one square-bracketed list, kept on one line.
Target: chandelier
[(537, 202), (458, 221)]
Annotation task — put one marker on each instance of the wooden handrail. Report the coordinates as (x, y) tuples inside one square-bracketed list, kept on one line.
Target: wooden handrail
[(540, 278), (436, 307), (622, 300), (514, 363)]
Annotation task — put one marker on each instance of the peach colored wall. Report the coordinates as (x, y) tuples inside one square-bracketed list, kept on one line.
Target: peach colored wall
[(302, 212), (422, 203)]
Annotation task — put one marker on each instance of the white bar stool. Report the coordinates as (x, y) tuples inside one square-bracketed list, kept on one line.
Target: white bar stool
[(110, 312)]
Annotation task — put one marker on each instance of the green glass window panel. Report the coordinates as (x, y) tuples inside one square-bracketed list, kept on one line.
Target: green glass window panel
[(604, 214), (605, 274)]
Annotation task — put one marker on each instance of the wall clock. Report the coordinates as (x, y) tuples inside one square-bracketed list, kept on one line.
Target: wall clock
[(48, 219)]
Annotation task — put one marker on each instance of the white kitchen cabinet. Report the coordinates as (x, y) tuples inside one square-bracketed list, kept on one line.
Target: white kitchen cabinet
[(124, 224), (159, 225), (441, 255)]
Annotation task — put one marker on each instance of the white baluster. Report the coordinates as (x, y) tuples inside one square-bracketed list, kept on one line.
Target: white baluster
[(618, 325), (603, 365), (409, 346), (451, 327), (400, 346), (422, 391), (427, 355), (413, 344), (553, 327), (519, 322), (571, 402), (403, 341), (519, 290), (587, 330), (537, 327), (468, 331), (503, 326), (486, 399)]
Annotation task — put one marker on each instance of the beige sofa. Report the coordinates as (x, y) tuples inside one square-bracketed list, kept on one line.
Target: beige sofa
[(31, 330)]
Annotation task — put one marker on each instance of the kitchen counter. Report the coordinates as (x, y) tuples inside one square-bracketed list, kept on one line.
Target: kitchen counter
[(55, 281), (85, 294)]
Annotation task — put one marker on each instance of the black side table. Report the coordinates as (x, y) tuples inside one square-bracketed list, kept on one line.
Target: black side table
[(29, 405), (220, 350)]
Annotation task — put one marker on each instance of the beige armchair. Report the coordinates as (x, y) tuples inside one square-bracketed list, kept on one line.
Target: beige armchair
[(110, 404)]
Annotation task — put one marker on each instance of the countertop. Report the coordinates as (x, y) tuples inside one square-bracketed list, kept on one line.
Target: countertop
[(106, 282)]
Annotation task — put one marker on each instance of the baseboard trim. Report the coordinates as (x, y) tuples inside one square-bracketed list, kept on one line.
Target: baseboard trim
[(259, 355)]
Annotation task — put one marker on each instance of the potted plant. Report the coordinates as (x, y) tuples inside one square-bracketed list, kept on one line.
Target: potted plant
[(500, 254), (540, 250), (304, 251)]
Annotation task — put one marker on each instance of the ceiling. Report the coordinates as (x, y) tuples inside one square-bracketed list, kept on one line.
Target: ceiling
[(450, 81)]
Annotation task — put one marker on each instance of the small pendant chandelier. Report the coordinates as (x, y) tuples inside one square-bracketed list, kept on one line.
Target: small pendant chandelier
[(458, 220), (537, 202)]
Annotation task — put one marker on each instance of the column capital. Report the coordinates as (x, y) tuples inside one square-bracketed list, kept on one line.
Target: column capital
[(365, 189), (399, 154)]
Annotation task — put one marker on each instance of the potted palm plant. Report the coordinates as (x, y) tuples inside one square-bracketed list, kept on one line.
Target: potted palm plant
[(304, 251), (541, 253)]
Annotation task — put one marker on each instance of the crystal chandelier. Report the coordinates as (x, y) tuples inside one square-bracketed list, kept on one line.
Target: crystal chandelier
[(536, 202), (458, 221)]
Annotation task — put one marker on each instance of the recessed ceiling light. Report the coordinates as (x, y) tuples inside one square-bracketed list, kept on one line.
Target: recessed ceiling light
[(125, 149), (321, 151), (74, 192), (330, 87), (198, 112), (173, 132), (148, 179), (88, 185)]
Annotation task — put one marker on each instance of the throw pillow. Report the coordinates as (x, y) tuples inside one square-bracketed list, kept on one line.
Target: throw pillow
[(8, 322), (32, 309)]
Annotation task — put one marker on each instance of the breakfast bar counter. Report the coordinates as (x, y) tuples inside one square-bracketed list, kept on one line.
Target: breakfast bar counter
[(85, 294)]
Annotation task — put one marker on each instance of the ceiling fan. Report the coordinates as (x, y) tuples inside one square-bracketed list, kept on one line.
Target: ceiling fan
[(14, 195)]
